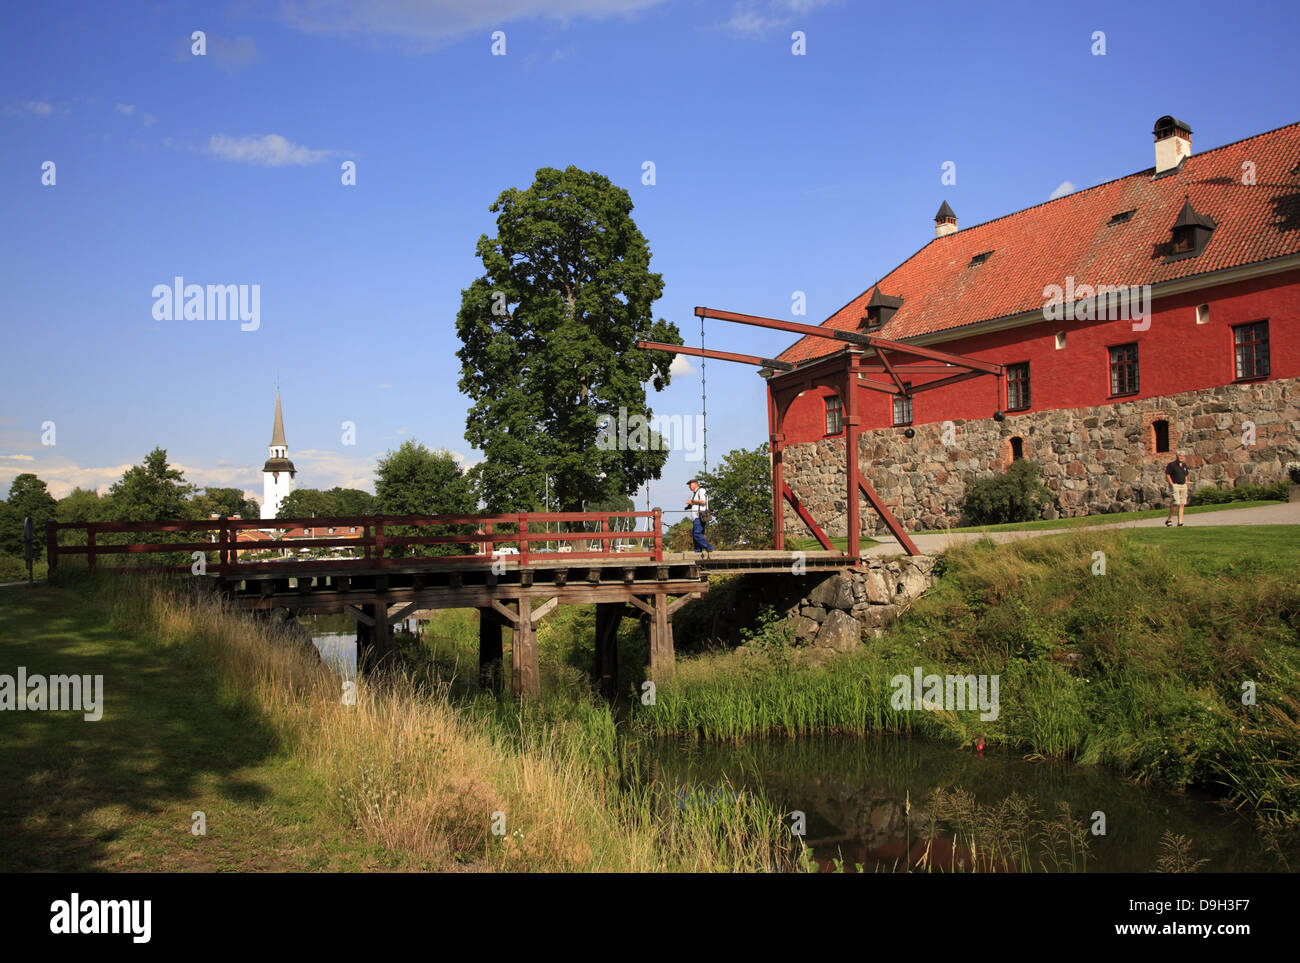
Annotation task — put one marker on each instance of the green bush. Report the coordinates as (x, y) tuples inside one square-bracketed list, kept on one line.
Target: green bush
[(1014, 496), (1278, 491)]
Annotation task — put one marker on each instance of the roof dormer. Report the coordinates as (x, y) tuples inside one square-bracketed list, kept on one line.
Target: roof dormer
[(880, 308), (1190, 233)]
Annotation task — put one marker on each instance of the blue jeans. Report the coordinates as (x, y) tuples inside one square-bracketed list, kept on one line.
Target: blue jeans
[(697, 533)]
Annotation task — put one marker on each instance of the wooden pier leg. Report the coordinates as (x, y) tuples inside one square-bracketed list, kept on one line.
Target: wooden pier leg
[(525, 670), (490, 660), (608, 617), (661, 640), (375, 642)]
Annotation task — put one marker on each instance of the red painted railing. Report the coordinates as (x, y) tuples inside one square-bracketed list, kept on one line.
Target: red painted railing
[(486, 540)]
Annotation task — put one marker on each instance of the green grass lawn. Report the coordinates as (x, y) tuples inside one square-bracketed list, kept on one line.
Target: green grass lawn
[(119, 794), (1227, 550)]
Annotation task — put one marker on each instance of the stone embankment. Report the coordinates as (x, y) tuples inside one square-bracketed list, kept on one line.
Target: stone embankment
[(842, 608)]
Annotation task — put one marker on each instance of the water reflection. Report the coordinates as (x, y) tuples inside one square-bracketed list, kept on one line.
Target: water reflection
[(856, 794)]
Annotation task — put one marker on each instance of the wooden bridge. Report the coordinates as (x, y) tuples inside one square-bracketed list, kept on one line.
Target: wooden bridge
[(510, 567)]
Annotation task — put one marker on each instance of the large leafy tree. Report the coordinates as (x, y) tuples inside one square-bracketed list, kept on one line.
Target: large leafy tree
[(416, 481), (82, 505), (352, 501), (313, 502), (223, 501), (151, 491), (740, 499), (28, 496), (307, 503), (549, 334)]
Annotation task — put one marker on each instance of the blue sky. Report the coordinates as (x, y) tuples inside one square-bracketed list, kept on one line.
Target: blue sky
[(774, 173)]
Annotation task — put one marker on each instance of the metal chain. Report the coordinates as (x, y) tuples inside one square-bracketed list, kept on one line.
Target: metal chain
[(704, 402)]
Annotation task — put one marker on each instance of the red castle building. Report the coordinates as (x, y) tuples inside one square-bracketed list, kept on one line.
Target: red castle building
[(1152, 313)]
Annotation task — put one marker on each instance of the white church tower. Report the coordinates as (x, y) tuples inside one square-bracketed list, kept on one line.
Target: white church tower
[(278, 472)]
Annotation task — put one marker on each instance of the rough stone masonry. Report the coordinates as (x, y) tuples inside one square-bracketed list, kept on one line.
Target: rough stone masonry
[(838, 610), (1094, 460)]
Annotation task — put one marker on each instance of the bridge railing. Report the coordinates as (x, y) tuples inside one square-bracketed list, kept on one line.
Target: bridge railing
[(510, 537)]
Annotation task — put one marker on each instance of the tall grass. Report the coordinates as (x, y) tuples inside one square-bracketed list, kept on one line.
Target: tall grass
[(422, 777), (1144, 667)]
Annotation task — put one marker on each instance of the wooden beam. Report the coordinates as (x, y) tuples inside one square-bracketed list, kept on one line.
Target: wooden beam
[(608, 616), (964, 376), (718, 355), (490, 654), (888, 518), (525, 669), (806, 518), (647, 609), (662, 661), (402, 613), (544, 610), (505, 613), (677, 604), (359, 615)]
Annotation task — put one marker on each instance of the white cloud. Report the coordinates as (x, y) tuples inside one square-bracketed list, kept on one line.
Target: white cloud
[(1065, 187), (680, 366), (127, 109), (430, 22), (38, 108), (267, 150), (750, 18)]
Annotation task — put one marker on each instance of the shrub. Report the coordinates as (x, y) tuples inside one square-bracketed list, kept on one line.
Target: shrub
[(1014, 496), (1213, 495)]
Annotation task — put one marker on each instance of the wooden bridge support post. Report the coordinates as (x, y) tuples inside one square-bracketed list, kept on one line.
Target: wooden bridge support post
[(491, 662), (662, 660), (375, 641), (525, 670), (608, 617)]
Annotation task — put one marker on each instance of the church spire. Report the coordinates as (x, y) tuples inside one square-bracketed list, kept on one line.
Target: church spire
[(277, 433)]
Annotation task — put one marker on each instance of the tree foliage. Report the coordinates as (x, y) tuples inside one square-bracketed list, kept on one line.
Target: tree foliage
[(223, 501), (549, 334), (82, 505), (740, 499), (151, 491), (416, 481), (337, 502), (28, 496)]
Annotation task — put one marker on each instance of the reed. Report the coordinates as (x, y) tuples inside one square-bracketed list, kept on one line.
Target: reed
[(424, 777)]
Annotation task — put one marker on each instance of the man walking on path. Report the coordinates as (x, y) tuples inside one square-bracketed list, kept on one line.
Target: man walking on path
[(699, 507), (1176, 475)]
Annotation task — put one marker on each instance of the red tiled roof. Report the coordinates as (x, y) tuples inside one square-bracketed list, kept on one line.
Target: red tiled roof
[(1071, 236), (323, 531)]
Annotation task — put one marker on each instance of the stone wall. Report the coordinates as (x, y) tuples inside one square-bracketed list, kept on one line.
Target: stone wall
[(1094, 460), (839, 609)]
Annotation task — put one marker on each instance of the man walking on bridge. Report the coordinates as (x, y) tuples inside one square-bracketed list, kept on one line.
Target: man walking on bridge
[(699, 507)]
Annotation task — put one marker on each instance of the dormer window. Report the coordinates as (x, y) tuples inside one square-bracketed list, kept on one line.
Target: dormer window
[(1123, 217), (980, 258), (1190, 233), (880, 309)]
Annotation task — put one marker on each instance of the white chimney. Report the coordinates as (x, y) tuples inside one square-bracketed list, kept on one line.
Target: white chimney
[(1173, 143), (945, 222)]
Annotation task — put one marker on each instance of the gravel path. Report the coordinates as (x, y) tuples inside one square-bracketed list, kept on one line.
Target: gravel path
[(932, 542)]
